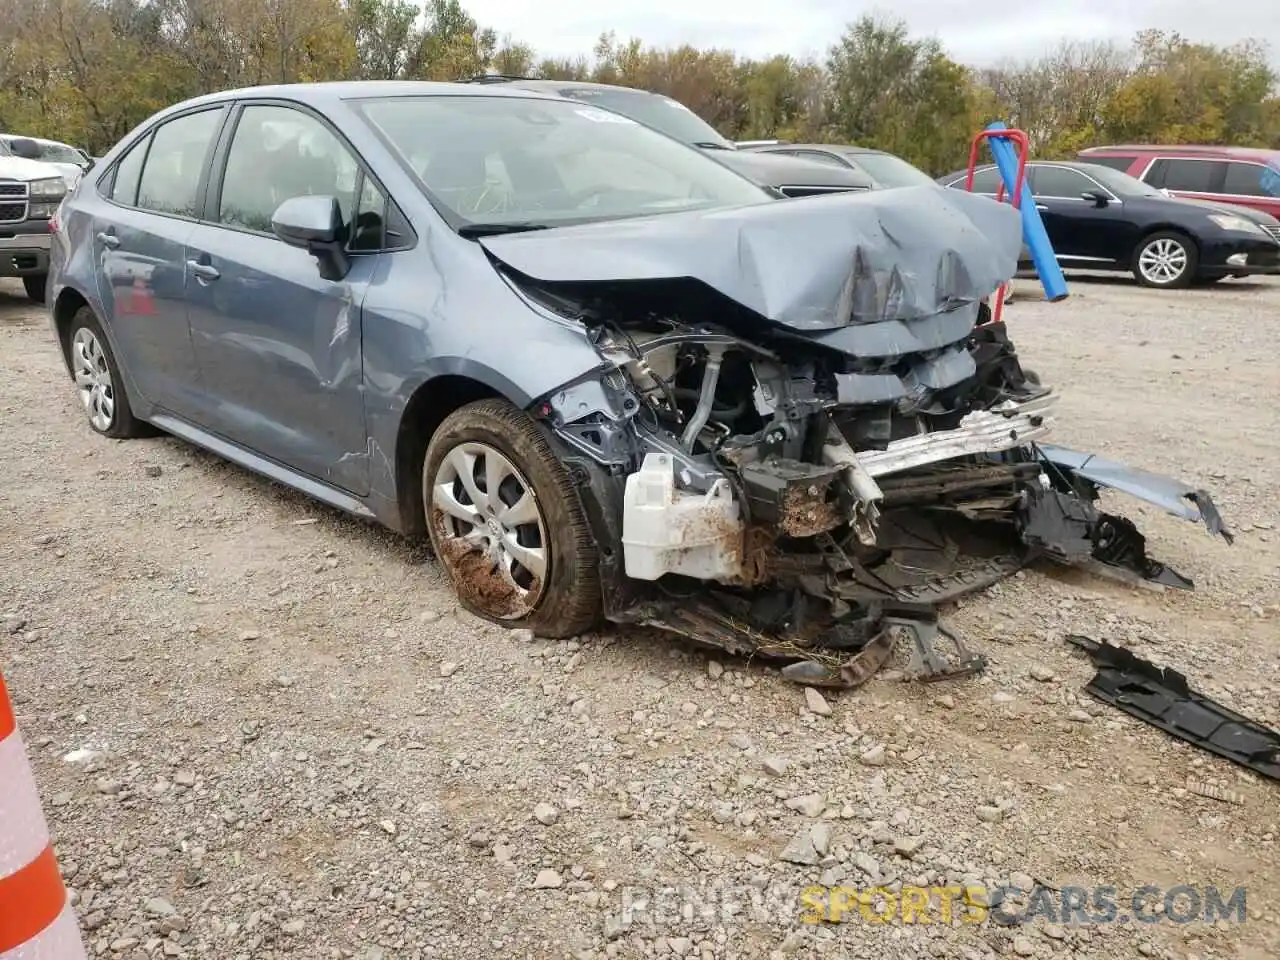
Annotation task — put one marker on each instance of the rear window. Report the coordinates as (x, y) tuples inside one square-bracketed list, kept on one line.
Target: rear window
[(985, 180), (1252, 179)]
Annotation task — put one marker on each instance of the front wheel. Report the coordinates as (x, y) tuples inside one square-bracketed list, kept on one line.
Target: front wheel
[(35, 285), (1165, 260), (507, 524)]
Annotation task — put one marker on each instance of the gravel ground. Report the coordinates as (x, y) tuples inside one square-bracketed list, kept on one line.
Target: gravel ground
[(262, 729)]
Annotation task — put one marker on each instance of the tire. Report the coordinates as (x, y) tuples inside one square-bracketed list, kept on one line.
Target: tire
[(563, 597), (98, 382), (1158, 255), (35, 285)]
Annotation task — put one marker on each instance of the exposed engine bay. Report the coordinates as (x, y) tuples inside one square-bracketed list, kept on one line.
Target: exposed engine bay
[(812, 491)]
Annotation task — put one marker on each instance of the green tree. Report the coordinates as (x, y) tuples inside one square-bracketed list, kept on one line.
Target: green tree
[(899, 94), (451, 45), (383, 34)]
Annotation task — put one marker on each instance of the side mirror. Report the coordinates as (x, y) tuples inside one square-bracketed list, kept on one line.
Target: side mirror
[(1096, 198), (315, 225)]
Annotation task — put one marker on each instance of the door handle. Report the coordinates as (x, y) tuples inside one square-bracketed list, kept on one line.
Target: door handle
[(108, 240), (1042, 208), (203, 271)]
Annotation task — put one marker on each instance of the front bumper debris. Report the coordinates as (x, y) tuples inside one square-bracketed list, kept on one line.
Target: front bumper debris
[(803, 437), (1162, 697)]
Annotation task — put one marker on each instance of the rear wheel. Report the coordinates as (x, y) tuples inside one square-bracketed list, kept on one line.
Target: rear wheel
[(98, 381), (1165, 260), (35, 286), (506, 523)]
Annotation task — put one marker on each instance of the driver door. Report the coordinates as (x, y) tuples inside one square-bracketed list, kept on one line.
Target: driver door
[(278, 346)]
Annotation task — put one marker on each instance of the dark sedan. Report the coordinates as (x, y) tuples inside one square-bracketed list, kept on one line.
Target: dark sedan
[(1098, 218), (789, 176)]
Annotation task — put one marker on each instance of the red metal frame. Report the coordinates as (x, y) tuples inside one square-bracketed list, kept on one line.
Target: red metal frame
[(1023, 144)]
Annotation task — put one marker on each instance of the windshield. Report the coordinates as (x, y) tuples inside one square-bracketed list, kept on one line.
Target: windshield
[(1121, 184), (46, 150), (535, 162), (889, 171), (652, 109)]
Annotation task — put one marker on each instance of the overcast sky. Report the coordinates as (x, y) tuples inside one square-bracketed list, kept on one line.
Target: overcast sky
[(974, 33)]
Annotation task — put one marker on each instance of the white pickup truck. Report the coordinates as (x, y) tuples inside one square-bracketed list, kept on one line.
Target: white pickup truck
[(30, 191)]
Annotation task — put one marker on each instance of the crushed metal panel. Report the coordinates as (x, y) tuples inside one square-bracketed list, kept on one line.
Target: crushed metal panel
[(812, 264), (1162, 697), (1173, 496)]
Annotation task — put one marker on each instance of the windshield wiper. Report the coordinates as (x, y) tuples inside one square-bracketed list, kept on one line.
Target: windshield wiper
[(497, 229), (708, 145)]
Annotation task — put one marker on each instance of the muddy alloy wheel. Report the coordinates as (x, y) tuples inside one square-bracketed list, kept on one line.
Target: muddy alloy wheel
[(98, 381), (1166, 260), (507, 524)]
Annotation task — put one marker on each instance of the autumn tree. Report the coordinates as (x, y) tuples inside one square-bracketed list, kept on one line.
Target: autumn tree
[(898, 94), (1183, 92), (87, 71)]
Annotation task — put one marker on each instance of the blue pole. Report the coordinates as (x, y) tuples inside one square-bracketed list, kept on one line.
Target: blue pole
[(1033, 233)]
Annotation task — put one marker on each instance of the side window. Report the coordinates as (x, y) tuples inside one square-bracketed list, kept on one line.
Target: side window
[(369, 229), (278, 153), (1249, 180), (1193, 176), (124, 184), (985, 180), (1059, 182), (170, 181)]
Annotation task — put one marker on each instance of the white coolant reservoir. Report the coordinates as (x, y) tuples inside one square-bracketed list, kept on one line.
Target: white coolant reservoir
[(665, 530)]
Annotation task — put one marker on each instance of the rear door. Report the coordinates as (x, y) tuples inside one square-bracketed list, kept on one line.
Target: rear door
[(278, 345), (1080, 229), (1199, 179), (151, 202)]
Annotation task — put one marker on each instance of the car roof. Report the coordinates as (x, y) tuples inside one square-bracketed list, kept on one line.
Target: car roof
[(1253, 153), (23, 136), (336, 90), (543, 83)]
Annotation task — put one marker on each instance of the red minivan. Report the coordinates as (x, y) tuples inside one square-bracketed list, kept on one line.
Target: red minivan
[(1243, 176)]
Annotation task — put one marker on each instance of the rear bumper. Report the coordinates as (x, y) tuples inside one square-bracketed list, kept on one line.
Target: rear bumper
[(24, 250)]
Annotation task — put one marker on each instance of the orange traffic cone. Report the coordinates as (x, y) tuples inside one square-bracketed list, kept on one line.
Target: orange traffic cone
[(36, 920)]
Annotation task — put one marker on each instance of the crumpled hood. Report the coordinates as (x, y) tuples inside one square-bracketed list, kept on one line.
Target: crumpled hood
[(812, 264), (20, 168)]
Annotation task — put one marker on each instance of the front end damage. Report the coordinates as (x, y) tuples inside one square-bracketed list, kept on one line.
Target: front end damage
[(807, 477)]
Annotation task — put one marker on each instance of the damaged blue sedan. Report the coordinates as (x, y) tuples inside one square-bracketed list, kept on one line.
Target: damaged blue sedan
[(607, 376)]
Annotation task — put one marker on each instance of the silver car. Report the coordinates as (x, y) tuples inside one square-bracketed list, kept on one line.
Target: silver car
[(606, 375)]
